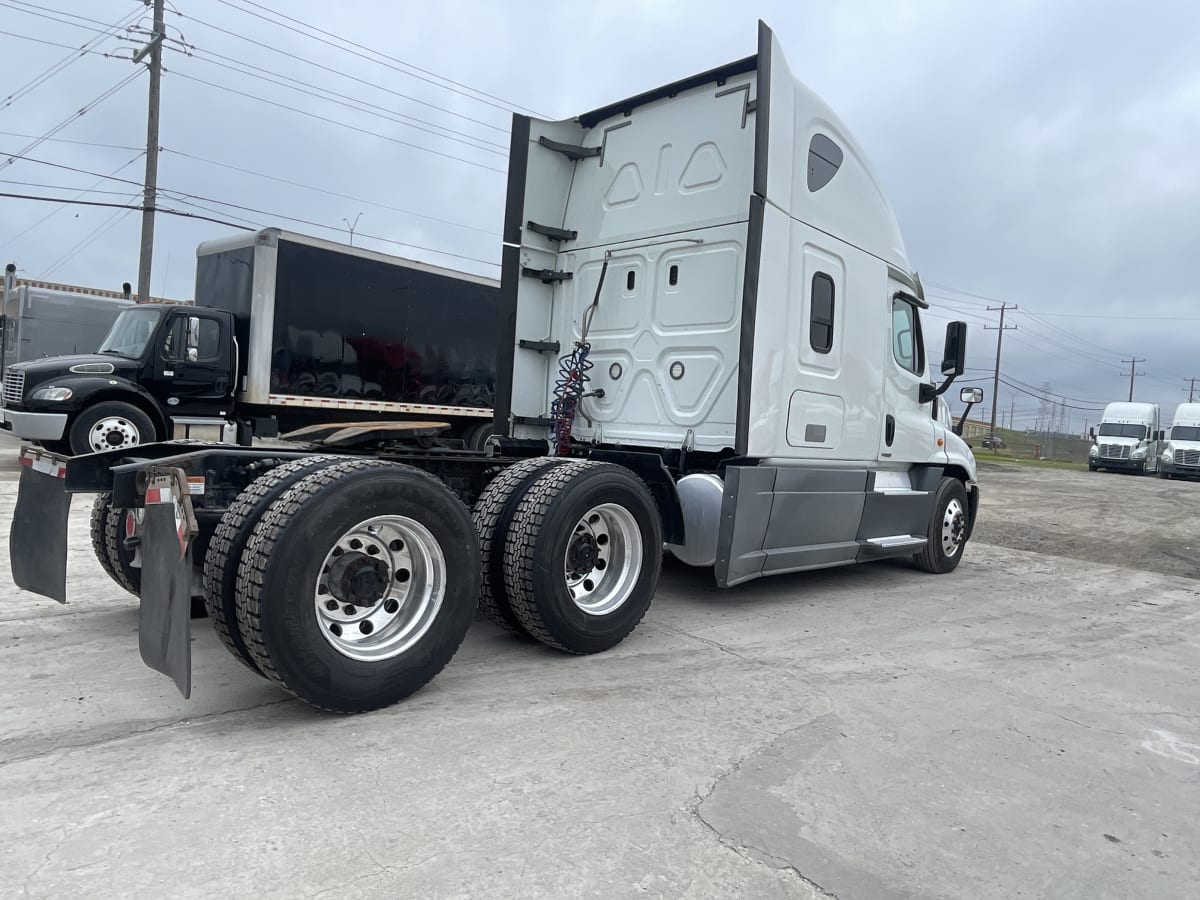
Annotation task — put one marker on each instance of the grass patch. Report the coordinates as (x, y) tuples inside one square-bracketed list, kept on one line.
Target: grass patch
[(988, 456)]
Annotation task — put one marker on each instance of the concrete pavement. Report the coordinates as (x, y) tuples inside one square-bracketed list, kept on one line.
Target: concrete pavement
[(1027, 726)]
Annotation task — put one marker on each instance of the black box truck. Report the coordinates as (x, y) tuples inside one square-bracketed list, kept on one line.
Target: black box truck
[(287, 331)]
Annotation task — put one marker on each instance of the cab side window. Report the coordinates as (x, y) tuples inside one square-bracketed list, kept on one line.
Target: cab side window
[(173, 338), (209, 346), (907, 345)]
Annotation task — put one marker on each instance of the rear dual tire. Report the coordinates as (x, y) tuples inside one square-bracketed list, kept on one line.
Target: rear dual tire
[(387, 545)]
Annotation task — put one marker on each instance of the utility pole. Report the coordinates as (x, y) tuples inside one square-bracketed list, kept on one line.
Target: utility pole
[(999, 338), (1012, 408), (1132, 372), (154, 50), (1192, 388)]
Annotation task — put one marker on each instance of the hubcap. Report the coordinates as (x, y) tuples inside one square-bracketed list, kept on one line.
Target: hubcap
[(603, 559), (113, 433), (954, 524), (380, 588)]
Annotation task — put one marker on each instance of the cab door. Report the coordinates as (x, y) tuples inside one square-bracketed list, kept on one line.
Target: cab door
[(193, 364), (910, 429)]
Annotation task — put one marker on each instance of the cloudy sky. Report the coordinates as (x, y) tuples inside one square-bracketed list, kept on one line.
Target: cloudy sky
[(1039, 154)]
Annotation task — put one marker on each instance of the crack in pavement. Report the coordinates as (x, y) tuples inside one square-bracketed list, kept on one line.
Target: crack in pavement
[(141, 732)]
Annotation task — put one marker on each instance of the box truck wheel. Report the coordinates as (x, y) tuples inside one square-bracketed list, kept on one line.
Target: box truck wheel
[(111, 425), (229, 542), (492, 515), (583, 555), (947, 534), (358, 584)]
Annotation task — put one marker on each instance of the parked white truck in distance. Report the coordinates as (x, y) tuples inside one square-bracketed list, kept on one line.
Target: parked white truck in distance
[(1128, 439), (1181, 453)]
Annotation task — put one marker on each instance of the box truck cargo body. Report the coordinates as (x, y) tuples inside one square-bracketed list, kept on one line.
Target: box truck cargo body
[(287, 331)]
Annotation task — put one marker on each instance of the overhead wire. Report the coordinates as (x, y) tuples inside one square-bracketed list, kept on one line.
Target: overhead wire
[(382, 58), (342, 74), (82, 111), (364, 106), (346, 125), (88, 239)]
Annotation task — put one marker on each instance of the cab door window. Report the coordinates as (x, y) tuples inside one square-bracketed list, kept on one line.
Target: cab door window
[(907, 344)]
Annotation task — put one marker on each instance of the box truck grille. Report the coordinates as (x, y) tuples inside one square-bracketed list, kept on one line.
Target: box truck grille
[(14, 387), (1187, 458), (1114, 451)]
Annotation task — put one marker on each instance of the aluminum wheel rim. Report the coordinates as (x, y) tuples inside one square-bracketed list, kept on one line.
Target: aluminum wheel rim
[(413, 580), (101, 434), (603, 559), (954, 522)]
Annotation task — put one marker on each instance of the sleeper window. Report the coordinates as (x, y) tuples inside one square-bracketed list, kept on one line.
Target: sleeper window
[(820, 320)]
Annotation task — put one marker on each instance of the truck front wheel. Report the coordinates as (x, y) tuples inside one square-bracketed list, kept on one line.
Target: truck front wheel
[(111, 425), (583, 556), (358, 584), (947, 533)]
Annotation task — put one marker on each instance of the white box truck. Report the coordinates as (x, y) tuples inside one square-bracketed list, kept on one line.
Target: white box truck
[(1127, 440), (711, 340), (1181, 452)]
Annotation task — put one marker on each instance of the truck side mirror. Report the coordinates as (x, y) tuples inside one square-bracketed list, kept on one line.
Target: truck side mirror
[(971, 395), (954, 357), (954, 360), (1092, 433), (193, 338)]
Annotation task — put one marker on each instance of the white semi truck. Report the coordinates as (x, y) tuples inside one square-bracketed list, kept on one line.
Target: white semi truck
[(1181, 453), (712, 342), (1128, 439)]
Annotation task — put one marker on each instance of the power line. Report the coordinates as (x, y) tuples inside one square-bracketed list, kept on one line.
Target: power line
[(86, 108), (314, 188), (329, 121), (1043, 395), (1137, 316), (88, 239), (55, 212), (45, 12), (99, 203), (57, 140), (341, 74), (448, 85), (363, 106), (40, 79)]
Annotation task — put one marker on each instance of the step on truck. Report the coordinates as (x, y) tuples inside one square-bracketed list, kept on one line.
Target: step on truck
[(1181, 453), (287, 331), (712, 343), (1128, 439)]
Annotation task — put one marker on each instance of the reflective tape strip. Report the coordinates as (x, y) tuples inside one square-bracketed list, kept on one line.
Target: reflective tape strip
[(379, 406), (46, 468)]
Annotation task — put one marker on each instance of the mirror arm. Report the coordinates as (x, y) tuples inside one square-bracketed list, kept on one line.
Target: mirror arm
[(958, 429), (930, 393)]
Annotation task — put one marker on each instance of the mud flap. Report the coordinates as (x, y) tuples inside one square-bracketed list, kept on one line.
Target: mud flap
[(164, 617), (37, 541)]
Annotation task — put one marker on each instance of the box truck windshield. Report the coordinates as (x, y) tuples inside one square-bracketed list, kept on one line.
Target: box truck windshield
[(130, 332)]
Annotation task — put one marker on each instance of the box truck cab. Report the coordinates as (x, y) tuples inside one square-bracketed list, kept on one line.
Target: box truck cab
[(287, 331), (1181, 453), (1127, 440)]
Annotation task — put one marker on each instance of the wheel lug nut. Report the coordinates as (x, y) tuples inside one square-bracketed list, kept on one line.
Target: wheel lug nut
[(349, 609), (331, 605)]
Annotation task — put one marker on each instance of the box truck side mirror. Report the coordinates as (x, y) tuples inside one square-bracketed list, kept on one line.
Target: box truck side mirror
[(193, 338)]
